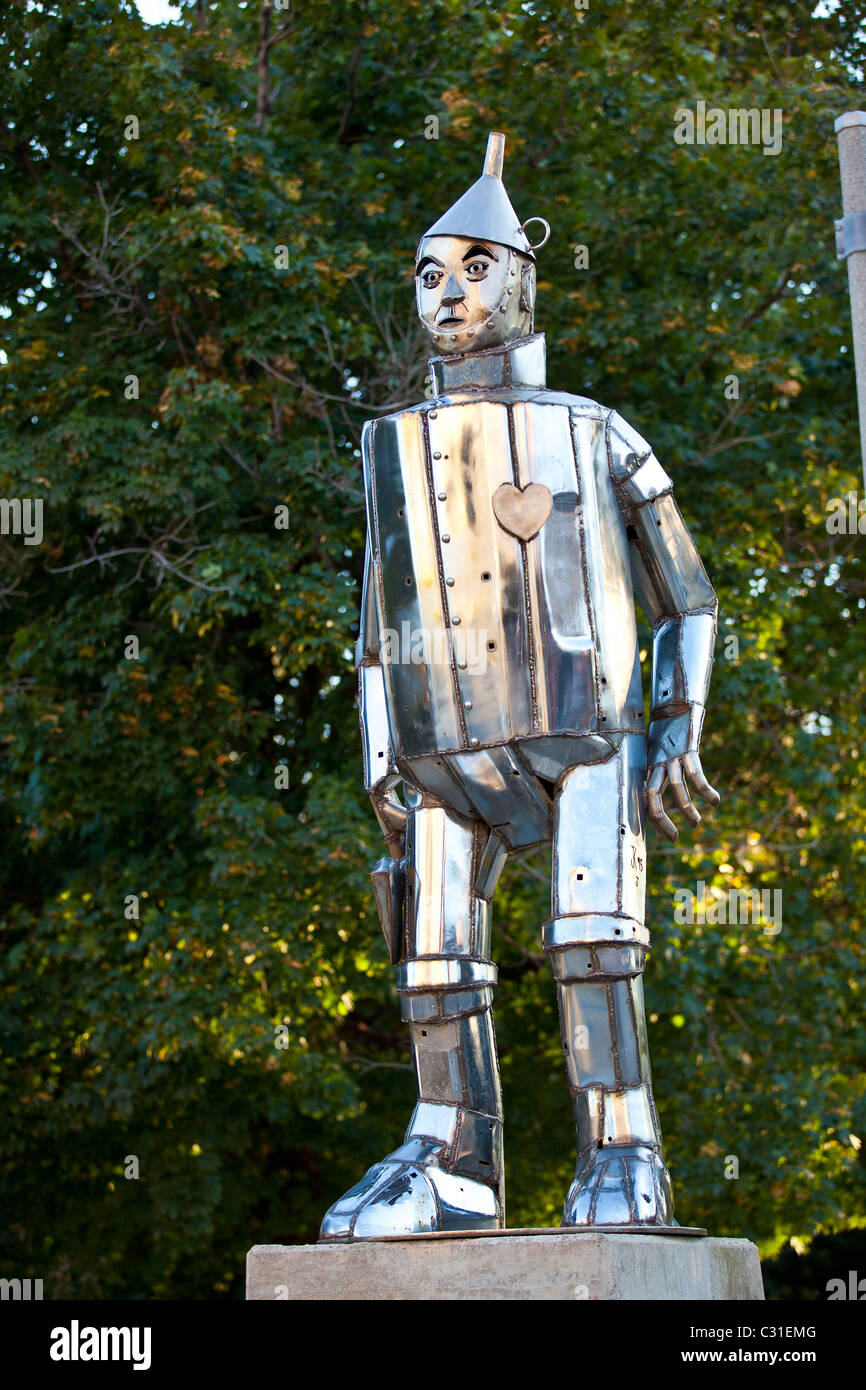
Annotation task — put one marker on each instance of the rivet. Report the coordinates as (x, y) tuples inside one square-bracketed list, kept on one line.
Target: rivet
[(467, 704), (474, 742), (437, 456), (462, 665), (446, 539), (432, 414), (442, 496), (450, 583), (456, 622)]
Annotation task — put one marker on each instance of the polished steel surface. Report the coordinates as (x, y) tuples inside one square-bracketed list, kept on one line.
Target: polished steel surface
[(484, 211), (522, 368), (389, 883), (509, 529), (524, 637)]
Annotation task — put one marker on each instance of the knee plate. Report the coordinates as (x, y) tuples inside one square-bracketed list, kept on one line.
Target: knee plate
[(581, 948)]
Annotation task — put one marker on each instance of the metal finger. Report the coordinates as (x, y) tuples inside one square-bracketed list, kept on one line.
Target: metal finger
[(655, 804), (681, 792), (656, 779), (692, 764)]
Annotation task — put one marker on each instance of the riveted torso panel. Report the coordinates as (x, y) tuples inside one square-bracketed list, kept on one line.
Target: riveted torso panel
[(505, 598)]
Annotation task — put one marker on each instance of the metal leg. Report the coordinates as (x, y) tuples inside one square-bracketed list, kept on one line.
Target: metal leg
[(597, 941), (448, 1173)]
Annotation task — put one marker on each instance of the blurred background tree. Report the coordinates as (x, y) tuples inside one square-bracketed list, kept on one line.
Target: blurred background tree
[(207, 234)]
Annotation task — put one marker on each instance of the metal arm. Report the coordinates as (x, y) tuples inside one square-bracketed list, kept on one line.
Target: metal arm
[(673, 590)]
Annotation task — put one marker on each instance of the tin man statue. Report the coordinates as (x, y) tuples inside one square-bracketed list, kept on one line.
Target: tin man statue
[(508, 528)]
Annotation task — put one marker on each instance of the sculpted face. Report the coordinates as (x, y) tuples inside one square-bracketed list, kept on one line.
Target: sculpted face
[(473, 294)]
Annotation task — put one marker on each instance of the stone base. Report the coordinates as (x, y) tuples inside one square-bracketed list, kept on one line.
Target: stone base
[(525, 1265)]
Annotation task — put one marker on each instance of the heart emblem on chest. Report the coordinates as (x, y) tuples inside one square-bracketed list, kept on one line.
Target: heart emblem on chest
[(522, 512)]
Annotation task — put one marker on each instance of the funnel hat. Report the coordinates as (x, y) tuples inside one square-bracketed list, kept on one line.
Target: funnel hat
[(484, 212)]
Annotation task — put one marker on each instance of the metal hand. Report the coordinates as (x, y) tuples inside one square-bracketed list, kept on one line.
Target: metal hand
[(391, 815), (674, 773)]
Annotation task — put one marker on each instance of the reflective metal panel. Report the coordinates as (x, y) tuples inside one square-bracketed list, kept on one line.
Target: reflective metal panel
[(629, 1117), (445, 974), (465, 1206), (479, 1146), (671, 559), (440, 911), (405, 1205), (586, 1030), (413, 603), (375, 725), (433, 1122), (563, 651), (648, 482), (586, 854), (481, 1085), (627, 1056), (437, 1051)]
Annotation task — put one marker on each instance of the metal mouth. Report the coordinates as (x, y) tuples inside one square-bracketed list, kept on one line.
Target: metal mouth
[(450, 321)]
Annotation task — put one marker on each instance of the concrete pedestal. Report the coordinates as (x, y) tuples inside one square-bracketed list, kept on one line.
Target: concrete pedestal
[(544, 1264)]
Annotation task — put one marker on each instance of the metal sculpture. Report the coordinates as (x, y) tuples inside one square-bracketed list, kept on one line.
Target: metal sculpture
[(508, 528)]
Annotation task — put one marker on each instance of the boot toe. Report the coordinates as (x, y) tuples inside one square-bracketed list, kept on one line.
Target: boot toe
[(403, 1205), (338, 1219), (399, 1198)]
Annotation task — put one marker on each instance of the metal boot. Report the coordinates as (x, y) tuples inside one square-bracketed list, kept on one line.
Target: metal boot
[(621, 1178), (448, 1174)]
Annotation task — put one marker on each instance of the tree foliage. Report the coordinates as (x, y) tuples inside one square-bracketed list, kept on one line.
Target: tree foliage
[(201, 307)]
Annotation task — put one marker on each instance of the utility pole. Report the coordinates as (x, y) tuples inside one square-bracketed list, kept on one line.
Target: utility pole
[(851, 245)]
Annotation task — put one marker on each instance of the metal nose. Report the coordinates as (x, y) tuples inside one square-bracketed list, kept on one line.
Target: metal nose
[(452, 293)]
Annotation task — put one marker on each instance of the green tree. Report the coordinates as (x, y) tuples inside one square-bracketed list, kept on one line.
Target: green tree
[(207, 232)]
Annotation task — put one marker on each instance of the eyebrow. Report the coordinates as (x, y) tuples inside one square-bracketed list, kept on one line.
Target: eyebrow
[(428, 260), (474, 251)]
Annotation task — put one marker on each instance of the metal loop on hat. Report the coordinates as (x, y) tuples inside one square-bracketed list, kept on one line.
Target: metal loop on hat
[(544, 239)]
